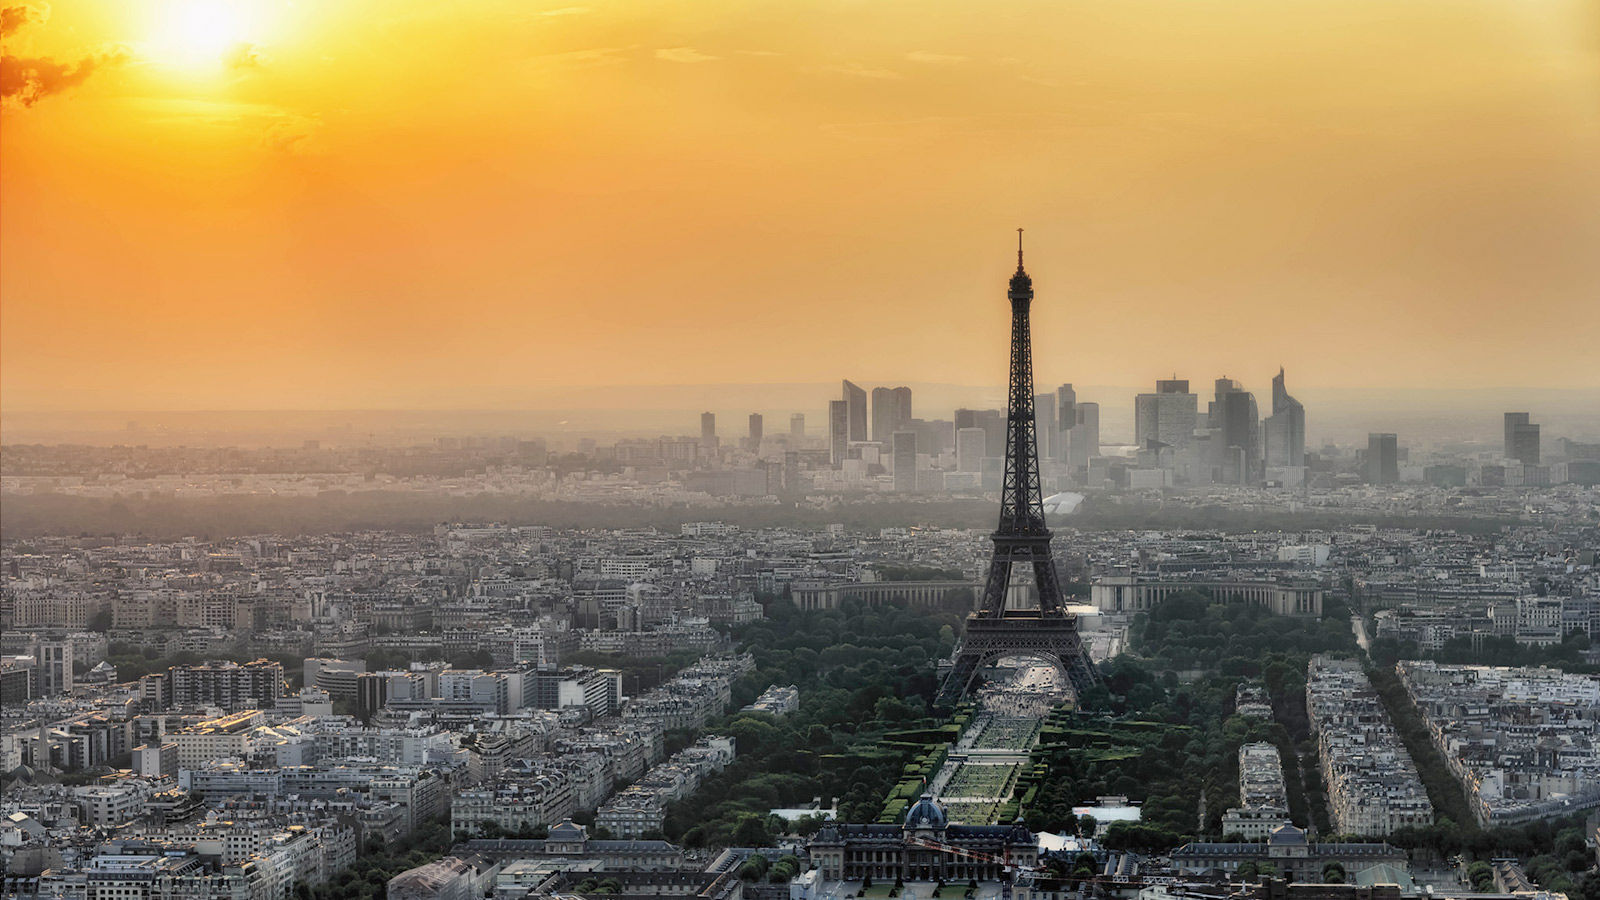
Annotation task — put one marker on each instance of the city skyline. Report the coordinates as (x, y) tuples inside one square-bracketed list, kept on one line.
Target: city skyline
[(294, 208), (1342, 416)]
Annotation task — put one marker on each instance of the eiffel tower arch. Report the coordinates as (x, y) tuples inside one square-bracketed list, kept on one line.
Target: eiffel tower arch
[(1049, 632)]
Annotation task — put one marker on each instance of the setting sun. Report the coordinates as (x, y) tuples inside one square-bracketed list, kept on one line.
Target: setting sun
[(202, 32)]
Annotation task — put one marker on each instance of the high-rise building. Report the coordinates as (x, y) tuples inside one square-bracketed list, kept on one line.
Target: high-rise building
[(891, 412), (1084, 438), (1066, 406), (970, 446), (1237, 423), (838, 431), (55, 667), (1167, 416), (1044, 425), (1285, 428), (1383, 459), (797, 430), (1066, 421), (1079, 426), (1512, 420), (993, 423), (1522, 439), (935, 436), (708, 429), (755, 431), (905, 462), (856, 408), (791, 471)]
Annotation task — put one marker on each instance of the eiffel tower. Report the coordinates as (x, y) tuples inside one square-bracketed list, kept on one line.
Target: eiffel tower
[(993, 631)]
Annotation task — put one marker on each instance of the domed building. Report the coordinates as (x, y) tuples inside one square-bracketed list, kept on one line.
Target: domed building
[(925, 847), (926, 815)]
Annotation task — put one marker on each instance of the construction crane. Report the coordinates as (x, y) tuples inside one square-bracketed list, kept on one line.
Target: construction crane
[(1003, 861)]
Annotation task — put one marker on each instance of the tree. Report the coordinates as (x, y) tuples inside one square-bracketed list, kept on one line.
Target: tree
[(1248, 871), (1333, 873), (752, 832), (754, 868), (1481, 876)]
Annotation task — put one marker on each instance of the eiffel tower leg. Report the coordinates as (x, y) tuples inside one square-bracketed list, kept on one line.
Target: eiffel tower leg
[(1049, 584), (957, 680), (997, 585)]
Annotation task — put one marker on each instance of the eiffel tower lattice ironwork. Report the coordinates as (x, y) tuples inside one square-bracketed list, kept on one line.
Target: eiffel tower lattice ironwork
[(1049, 632)]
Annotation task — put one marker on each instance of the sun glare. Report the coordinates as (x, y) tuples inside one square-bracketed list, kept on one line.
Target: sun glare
[(202, 32)]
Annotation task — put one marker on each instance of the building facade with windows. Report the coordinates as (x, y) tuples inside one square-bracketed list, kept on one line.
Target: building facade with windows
[(926, 847)]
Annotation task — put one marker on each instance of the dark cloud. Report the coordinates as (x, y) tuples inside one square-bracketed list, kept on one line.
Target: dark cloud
[(24, 80), (18, 15)]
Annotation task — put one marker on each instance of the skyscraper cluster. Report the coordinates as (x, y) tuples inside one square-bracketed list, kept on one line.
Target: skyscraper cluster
[(872, 440), (1228, 444), (893, 440)]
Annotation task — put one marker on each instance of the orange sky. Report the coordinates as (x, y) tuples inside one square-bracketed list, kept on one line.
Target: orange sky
[(388, 203)]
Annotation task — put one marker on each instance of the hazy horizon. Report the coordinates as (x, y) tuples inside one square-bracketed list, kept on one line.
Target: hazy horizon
[(1333, 415)]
